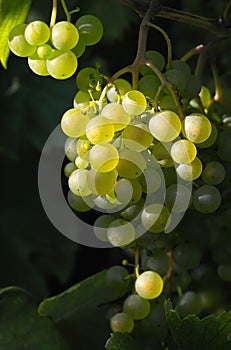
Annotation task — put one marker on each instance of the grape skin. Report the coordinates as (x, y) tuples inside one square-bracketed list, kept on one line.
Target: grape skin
[(149, 285)]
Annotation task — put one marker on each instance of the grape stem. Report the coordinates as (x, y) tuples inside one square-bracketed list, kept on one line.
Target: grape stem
[(53, 13), (137, 257), (65, 9)]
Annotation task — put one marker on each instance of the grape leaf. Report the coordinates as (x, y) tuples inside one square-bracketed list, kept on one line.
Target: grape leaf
[(210, 332), (119, 341), (22, 328), (11, 13)]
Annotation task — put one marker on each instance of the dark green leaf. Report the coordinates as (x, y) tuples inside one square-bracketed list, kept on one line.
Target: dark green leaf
[(11, 13), (119, 341)]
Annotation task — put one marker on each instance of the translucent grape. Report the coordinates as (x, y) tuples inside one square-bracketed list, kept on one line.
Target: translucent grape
[(62, 64), (88, 78), (211, 139), (81, 163), (150, 180), (131, 163), (121, 232), (161, 152), (70, 148), (137, 191), (136, 307), (155, 218), (213, 173), (37, 33), (104, 157), (178, 198), (78, 203), (149, 285), (118, 90), (117, 115), (73, 122), (37, 64), (99, 129), (191, 171), (79, 48), (134, 102), (78, 182), (183, 151), (64, 36), (69, 168), (124, 191), (165, 126), (122, 323), (156, 58), (102, 183), (90, 29), (137, 137), (207, 199), (44, 51), (17, 42), (83, 146), (196, 128)]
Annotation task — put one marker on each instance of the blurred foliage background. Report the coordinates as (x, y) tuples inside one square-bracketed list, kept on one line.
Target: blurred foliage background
[(33, 254)]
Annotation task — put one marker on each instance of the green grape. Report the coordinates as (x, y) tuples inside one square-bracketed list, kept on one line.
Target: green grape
[(206, 199), (83, 147), (158, 262), (37, 65), (102, 183), (104, 203), (224, 272), (187, 255), (104, 157), (190, 172), (44, 51), (177, 78), (137, 136), (192, 88), (17, 42), (205, 96), (73, 122), (131, 164), (100, 230), (156, 58), (134, 102), (81, 163), (78, 203), (213, 173), (165, 126), (78, 182), (37, 33), (118, 90), (177, 198), (136, 307), (189, 304), (181, 66), (149, 285), (137, 191), (224, 146), (183, 151), (79, 48), (161, 152), (99, 129), (123, 191), (117, 278), (150, 180), (62, 64), (81, 99), (149, 85), (132, 212), (196, 128), (156, 218), (88, 78), (167, 102), (211, 139), (120, 233), (122, 323), (117, 115), (70, 148), (64, 36), (69, 168), (90, 29)]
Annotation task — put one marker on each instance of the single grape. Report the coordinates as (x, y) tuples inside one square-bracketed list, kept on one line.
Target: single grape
[(167, 102), (177, 198), (183, 151), (78, 203), (131, 164), (117, 278), (78, 182), (150, 180), (205, 96), (156, 58), (192, 88), (37, 33), (104, 157), (134, 102), (120, 233), (81, 163), (83, 147), (117, 115), (64, 36), (73, 122), (161, 152), (187, 255), (101, 183), (196, 128), (206, 199), (17, 42), (103, 202), (133, 212), (165, 126), (44, 51), (224, 272), (158, 262), (62, 64), (181, 66), (100, 230), (137, 136), (123, 191), (149, 85), (37, 65), (136, 307), (149, 285), (191, 171), (211, 139), (69, 168), (88, 78), (177, 78), (189, 304), (213, 173), (118, 90), (79, 48), (137, 191), (70, 148), (90, 29), (155, 218), (99, 129), (122, 323)]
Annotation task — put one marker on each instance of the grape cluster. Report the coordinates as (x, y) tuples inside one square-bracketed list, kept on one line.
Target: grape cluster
[(55, 51)]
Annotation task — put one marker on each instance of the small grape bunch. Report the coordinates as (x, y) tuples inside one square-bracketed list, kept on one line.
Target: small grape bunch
[(55, 51)]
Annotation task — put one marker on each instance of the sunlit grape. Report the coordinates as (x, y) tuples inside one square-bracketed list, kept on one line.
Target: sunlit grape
[(64, 35), (149, 285), (165, 126)]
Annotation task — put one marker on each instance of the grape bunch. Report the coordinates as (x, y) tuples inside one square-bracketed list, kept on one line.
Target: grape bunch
[(54, 51)]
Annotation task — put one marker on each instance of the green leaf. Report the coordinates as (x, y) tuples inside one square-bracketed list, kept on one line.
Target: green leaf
[(22, 328), (210, 332), (120, 341), (11, 13)]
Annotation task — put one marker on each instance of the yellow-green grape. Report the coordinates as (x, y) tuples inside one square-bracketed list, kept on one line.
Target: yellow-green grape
[(137, 136), (101, 225), (183, 151), (150, 180), (78, 182), (104, 157), (64, 35), (161, 152), (102, 183), (121, 232), (117, 115), (90, 29), (134, 102), (83, 147), (81, 163), (81, 99), (38, 65), (156, 58), (196, 128), (122, 323), (37, 33), (73, 122), (17, 42), (70, 148), (213, 173), (79, 48), (78, 203), (88, 78), (149, 285), (149, 85), (62, 64), (136, 307), (165, 126), (69, 168), (211, 139), (156, 218), (206, 199), (123, 191), (118, 90), (99, 129), (44, 51), (177, 198), (131, 164), (191, 171)]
